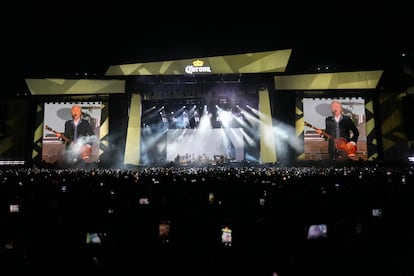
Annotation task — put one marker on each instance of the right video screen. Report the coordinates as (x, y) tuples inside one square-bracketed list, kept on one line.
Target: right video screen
[(318, 112)]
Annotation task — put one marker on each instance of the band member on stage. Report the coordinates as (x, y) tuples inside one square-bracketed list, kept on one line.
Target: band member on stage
[(78, 135), (342, 132)]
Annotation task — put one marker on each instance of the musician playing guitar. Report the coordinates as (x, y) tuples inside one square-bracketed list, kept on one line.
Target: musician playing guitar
[(78, 136), (342, 133)]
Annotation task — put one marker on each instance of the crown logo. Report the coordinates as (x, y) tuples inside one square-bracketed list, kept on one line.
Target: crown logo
[(198, 63)]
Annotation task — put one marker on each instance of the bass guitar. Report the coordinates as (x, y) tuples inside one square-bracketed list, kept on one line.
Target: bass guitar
[(84, 151), (340, 143)]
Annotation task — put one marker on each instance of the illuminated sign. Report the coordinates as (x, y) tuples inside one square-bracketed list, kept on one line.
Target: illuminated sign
[(197, 67)]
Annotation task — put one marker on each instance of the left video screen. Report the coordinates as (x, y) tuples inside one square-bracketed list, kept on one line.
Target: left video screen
[(71, 132)]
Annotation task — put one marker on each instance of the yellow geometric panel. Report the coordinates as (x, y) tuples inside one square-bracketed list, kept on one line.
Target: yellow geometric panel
[(104, 129), (298, 111), (393, 121), (133, 139), (38, 133), (373, 157), (387, 143), (301, 156), (369, 106), (401, 135), (261, 62), (71, 87), (6, 144), (344, 80), (300, 126), (267, 142), (370, 125)]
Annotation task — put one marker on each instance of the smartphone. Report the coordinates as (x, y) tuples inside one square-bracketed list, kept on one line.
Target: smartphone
[(226, 236), (164, 231), (144, 201), (376, 212), (317, 231), (211, 198), (14, 208), (94, 237)]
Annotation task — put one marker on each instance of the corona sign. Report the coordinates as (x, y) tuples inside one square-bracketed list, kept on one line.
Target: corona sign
[(197, 67)]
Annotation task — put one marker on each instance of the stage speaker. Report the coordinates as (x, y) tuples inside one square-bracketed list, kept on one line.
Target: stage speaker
[(408, 115)]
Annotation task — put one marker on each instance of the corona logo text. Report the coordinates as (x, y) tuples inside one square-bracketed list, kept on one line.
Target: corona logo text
[(197, 67)]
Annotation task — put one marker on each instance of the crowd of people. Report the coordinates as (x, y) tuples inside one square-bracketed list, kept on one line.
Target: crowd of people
[(170, 220)]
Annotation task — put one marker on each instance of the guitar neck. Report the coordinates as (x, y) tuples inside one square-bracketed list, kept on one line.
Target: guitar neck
[(315, 128), (66, 139)]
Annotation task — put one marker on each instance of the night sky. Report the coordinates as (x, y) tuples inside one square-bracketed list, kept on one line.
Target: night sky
[(76, 41)]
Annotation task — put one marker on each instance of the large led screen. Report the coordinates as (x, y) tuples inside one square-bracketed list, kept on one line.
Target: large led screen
[(316, 110), (199, 132), (57, 117)]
